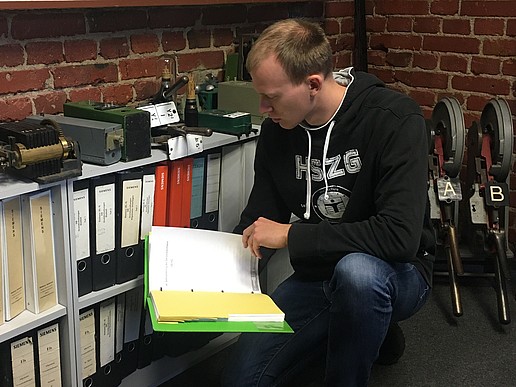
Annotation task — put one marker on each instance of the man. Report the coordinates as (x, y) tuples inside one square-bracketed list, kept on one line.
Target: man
[(348, 157)]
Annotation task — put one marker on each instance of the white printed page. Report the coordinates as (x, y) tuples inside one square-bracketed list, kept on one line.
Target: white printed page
[(200, 260)]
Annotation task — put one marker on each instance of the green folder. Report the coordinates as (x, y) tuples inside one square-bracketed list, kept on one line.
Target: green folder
[(205, 326)]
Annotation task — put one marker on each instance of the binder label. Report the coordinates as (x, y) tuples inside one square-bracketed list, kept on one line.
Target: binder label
[(131, 200), (22, 358), (82, 224), (149, 183), (107, 334), (105, 218), (87, 340), (49, 356)]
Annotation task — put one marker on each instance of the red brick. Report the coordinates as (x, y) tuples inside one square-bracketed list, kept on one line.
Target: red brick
[(113, 48), (11, 55), (343, 42), (376, 57), (339, 8), (23, 80), (199, 39), (15, 108), (50, 103), (399, 59), (223, 15), (493, 86), (399, 24), (511, 27), (138, 68), (91, 74), (424, 97), (80, 50), (397, 41), (44, 52), (485, 8), (174, 17), (401, 7), (385, 75), (477, 102), (453, 63), (343, 60), (502, 47), (144, 43), (425, 61), (451, 44), (427, 24), (200, 60), (444, 7), (347, 25), (376, 23), (116, 20), (85, 94), (223, 37), (173, 41), (47, 25), (331, 27), (416, 78), (491, 26), (145, 89), (509, 67), (457, 26), (117, 94), (481, 65)]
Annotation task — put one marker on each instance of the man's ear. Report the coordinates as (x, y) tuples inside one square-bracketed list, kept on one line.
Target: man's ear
[(314, 83)]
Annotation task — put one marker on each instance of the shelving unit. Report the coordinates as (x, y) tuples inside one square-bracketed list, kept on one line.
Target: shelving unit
[(67, 311)]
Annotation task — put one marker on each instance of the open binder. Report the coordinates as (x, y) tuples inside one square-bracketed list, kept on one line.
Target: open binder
[(205, 281)]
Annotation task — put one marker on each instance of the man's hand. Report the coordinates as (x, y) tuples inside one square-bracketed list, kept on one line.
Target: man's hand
[(266, 233)]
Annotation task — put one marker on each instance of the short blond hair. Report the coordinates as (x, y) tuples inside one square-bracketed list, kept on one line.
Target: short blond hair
[(300, 46)]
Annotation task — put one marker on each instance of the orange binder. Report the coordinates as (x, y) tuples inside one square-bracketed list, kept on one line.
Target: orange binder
[(161, 195)]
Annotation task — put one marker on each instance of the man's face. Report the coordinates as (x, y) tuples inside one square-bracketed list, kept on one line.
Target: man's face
[(285, 103)]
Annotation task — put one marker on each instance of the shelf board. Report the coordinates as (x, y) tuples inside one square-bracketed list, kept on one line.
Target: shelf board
[(27, 321)]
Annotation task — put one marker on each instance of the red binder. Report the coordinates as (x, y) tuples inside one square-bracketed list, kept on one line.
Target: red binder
[(161, 195), (175, 192)]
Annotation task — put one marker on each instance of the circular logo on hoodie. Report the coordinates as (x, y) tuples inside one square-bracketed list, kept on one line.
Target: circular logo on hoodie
[(333, 206)]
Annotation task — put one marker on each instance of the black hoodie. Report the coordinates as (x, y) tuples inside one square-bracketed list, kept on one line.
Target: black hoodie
[(374, 197)]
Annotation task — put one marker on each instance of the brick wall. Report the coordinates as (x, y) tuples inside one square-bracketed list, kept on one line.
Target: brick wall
[(428, 49), (432, 49), (50, 57)]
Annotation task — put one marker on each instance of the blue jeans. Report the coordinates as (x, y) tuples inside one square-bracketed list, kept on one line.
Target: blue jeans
[(347, 317)]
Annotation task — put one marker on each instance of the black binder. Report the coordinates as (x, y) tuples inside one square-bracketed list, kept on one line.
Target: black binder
[(105, 319), (212, 171), (133, 311), (129, 254), (102, 214), (87, 343), (81, 202), (147, 206), (146, 341)]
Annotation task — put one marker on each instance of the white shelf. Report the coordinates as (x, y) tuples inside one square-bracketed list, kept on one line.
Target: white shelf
[(27, 321), (100, 295)]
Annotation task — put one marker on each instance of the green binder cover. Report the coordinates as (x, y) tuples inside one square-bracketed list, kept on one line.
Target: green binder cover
[(205, 326)]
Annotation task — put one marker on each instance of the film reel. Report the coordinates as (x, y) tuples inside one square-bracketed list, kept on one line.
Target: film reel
[(496, 121), (448, 123)]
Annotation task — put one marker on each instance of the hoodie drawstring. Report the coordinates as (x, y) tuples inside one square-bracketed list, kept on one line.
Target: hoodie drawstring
[(308, 204)]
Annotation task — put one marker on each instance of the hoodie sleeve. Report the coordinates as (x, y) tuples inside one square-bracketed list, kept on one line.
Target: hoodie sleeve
[(385, 213)]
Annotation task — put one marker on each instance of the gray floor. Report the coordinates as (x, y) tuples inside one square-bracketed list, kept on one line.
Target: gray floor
[(441, 350)]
